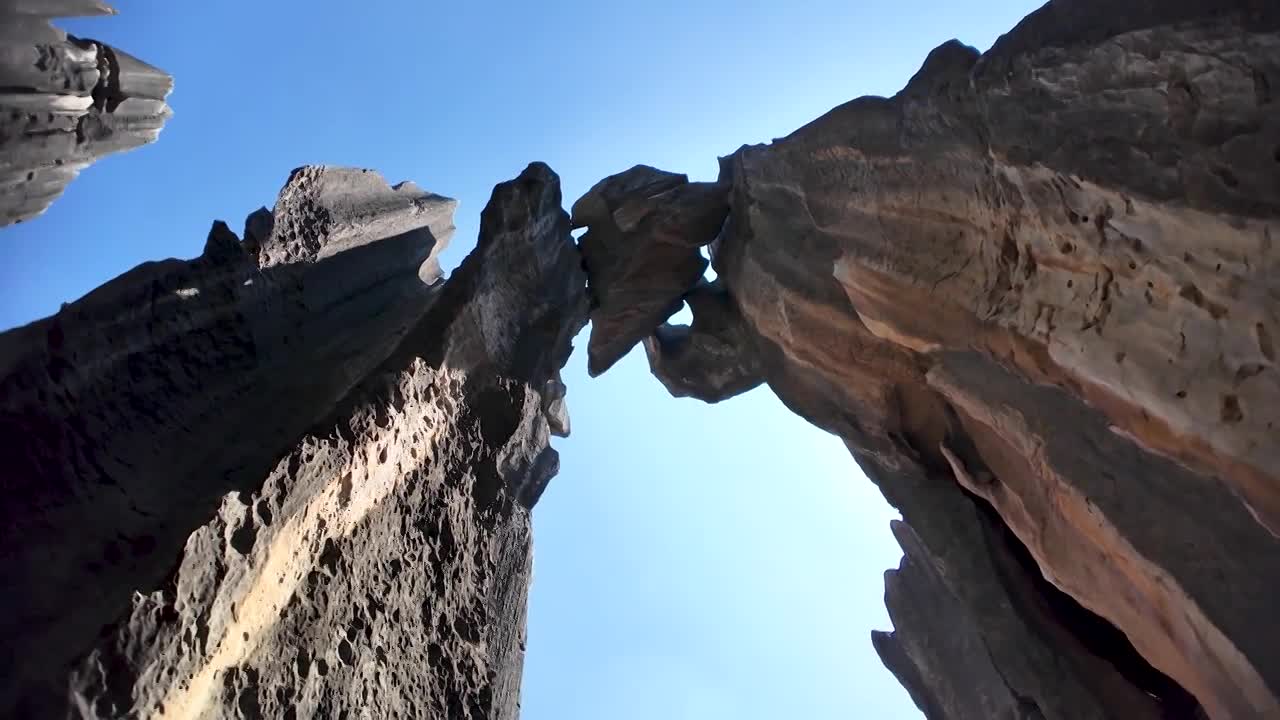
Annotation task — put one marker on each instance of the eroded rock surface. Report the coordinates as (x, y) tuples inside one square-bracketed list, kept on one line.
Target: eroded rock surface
[(367, 440), (642, 253), (1036, 292), (66, 102)]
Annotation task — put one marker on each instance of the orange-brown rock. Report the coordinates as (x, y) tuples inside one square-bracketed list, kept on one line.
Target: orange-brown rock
[(66, 102), (642, 253), (1037, 292)]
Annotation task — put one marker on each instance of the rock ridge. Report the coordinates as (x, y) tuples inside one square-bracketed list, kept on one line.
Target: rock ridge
[(66, 102), (359, 444)]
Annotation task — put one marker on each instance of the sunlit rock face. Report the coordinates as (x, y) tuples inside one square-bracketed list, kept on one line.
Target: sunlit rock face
[(66, 102), (293, 476), (1036, 292)]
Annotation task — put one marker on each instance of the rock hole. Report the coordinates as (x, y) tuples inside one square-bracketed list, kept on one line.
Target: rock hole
[(1227, 177), (1068, 248), (344, 490), (242, 539), (330, 556), (345, 653), (1231, 412), (1133, 265), (1192, 294), (1265, 345), (1070, 283), (1181, 394), (382, 456), (466, 629)]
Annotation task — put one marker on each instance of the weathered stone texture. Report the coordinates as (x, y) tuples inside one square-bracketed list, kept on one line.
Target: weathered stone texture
[(1035, 292), (642, 253), (66, 102), (367, 439)]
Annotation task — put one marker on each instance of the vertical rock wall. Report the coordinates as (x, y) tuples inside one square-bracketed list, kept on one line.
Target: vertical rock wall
[(1035, 292), (367, 440)]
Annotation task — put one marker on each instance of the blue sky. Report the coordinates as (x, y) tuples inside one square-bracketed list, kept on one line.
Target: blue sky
[(692, 561)]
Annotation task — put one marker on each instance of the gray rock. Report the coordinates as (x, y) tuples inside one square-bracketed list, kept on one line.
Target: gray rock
[(555, 408), (1034, 294), (710, 361), (134, 410), (382, 566), (65, 102), (641, 252)]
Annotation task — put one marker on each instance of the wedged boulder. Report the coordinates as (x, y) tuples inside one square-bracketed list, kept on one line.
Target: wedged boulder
[(66, 102), (641, 251)]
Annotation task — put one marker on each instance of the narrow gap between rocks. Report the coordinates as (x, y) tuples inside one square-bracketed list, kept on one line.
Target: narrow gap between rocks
[(1097, 634)]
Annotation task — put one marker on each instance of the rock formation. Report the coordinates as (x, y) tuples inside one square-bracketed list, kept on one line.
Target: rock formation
[(299, 468), (65, 102), (1036, 294)]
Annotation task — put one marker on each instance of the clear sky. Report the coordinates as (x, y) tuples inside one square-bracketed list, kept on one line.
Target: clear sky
[(692, 561)]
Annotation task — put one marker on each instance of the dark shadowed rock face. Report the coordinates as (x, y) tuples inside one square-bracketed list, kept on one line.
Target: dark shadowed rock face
[(1036, 292), (367, 441), (65, 102), (707, 360)]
